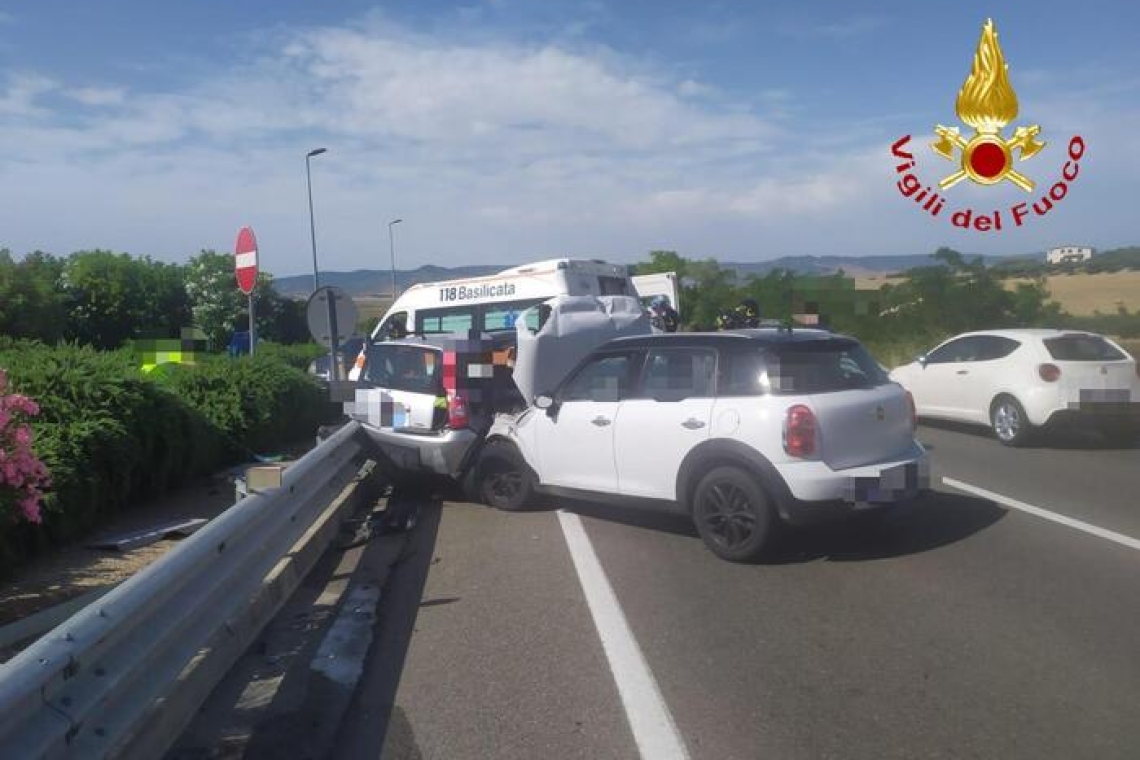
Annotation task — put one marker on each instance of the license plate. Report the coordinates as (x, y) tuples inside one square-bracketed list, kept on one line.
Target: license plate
[(903, 481)]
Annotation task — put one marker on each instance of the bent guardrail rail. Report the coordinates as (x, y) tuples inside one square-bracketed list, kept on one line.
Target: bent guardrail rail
[(123, 676)]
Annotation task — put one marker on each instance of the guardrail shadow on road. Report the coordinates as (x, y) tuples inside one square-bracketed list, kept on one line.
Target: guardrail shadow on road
[(378, 726)]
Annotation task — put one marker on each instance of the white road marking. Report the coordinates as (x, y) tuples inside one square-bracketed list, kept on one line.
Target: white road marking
[(653, 728), (1119, 538)]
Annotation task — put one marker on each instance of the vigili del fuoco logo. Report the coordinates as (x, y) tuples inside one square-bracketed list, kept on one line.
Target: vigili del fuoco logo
[(987, 103)]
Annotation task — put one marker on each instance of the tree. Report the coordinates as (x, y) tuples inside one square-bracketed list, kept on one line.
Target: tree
[(104, 294), (713, 290), (165, 308), (664, 261), (290, 325), (218, 307), (114, 297), (31, 302)]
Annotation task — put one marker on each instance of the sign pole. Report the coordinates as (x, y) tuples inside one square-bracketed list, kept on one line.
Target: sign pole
[(334, 337), (252, 328)]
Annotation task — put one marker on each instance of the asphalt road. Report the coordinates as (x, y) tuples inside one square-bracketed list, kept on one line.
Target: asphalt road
[(957, 628)]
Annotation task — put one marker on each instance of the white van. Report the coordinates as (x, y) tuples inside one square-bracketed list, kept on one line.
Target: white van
[(492, 303)]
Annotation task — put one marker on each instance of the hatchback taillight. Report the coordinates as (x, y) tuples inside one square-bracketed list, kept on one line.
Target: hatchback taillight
[(1050, 373), (799, 431), (458, 416), (913, 412)]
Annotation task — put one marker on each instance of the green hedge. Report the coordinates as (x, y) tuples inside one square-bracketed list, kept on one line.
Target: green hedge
[(299, 355), (257, 403), (112, 435)]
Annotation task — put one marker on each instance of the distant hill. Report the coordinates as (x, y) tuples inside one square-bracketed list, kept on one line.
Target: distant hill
[(362, 282), (377, 281), (856, 266)]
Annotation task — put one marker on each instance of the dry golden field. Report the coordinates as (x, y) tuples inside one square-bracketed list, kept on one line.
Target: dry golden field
[(1078, 294), (1082, 294)]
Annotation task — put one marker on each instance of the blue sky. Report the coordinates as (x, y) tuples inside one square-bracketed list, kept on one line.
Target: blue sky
[(506, 131)]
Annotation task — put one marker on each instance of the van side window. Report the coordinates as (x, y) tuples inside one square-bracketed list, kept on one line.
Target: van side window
[(502, 316), (444, 320)]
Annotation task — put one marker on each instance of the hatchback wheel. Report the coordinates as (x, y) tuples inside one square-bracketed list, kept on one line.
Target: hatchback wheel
[(1009, 423), (733, 514), (504, 480)]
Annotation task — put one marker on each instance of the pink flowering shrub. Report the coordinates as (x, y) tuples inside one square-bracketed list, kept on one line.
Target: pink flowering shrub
[(22, 476)]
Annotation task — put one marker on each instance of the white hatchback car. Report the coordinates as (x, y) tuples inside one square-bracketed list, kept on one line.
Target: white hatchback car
[(737, 429), (1017, 381)]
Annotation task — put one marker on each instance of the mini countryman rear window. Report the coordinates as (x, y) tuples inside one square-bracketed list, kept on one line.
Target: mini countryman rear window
[(819, 367)]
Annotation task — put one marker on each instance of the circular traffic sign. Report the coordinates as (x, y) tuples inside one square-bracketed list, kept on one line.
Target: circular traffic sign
[(330, 310), (245, 260)]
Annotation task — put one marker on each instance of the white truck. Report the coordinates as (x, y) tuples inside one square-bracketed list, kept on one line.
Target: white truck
[(662, 284)]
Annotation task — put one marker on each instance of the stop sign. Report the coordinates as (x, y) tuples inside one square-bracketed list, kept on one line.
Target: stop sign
[(245, 260)]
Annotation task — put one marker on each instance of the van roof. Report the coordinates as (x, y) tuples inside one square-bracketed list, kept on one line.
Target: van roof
[(546, 266)]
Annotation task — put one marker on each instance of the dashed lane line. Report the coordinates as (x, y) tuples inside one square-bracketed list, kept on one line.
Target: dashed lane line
[(1094, 530)]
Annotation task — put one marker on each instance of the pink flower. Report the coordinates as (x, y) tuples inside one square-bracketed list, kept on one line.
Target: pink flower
[(30, 506), (22, 474)]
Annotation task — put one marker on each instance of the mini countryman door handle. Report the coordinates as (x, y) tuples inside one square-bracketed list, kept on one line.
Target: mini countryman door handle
[(692, 424), (963, 372), (600, 421)]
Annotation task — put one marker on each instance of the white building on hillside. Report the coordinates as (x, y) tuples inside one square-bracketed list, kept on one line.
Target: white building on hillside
[(1069, 253)]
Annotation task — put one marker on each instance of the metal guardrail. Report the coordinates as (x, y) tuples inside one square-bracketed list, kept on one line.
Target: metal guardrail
[(123, 676)]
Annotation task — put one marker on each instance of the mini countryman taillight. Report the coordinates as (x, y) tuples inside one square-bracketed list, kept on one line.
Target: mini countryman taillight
[(1050, 373)]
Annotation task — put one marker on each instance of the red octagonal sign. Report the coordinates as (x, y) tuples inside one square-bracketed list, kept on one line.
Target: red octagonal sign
[(245, 260)]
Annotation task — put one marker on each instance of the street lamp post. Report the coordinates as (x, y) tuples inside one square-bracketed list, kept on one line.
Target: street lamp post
[(392, 251), (312, 224)]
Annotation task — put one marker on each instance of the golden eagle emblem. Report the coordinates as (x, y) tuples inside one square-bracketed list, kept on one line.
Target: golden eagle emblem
[(987, 103)]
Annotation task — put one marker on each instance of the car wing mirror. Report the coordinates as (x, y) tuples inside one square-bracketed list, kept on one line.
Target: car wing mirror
[(546, 403), (923, 360)]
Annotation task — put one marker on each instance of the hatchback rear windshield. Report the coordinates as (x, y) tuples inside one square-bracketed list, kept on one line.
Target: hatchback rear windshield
[(1082, 348), (404, 368), (803, 367)]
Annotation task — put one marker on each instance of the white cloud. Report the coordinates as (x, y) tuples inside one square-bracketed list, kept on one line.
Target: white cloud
[(834, 29), (97, 96), (23, 94)]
